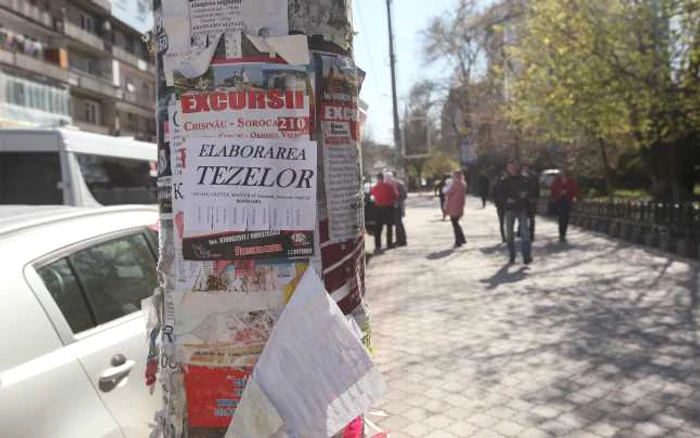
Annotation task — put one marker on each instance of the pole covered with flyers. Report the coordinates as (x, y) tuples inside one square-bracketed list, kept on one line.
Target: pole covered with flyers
[(259, 327)]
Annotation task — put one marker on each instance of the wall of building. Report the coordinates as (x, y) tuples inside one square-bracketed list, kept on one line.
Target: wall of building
[(50, 69)]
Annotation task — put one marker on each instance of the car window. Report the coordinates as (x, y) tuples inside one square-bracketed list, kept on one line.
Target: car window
[(65, 290), (116, 276), (104, 282)]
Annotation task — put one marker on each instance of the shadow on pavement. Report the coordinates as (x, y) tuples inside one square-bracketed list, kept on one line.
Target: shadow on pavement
[(499, 248), (503, 276), (632, 340), (440, 254)]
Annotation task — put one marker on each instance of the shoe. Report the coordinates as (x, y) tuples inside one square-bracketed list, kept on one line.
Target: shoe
[(401, 244), (512, 260), (563, 240), (528, 260)]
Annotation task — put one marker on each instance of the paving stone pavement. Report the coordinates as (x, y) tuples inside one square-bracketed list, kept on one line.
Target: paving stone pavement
[(597, 338)]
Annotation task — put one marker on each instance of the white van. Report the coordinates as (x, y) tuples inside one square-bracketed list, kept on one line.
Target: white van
[(71, 167)]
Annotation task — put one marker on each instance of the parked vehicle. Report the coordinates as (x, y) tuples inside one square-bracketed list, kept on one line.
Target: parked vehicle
[(71, 167), (72, 334), (546, 178)]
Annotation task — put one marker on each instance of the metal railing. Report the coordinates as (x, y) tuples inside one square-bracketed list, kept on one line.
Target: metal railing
[(29, 11), (92, 83), (89, 38), (141, 64), (140, 100), (670, 226), (34, 65)]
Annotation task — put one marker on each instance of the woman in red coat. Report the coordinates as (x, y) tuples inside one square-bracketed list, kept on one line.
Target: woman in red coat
[(455, 195), (565, 191)]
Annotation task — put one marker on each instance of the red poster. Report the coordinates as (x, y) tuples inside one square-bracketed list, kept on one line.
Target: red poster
[(213, 394)]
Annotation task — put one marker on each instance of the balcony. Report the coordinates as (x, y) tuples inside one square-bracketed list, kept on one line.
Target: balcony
[(92, 83), (95, 129), (27, 10), (133, 60), (90, 39), (140, 100), (33, 65)]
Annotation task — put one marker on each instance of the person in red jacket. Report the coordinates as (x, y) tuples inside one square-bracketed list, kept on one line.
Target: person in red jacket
[(565, 191), (385, 198)]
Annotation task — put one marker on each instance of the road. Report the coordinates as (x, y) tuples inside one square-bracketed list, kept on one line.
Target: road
[(597, 338)]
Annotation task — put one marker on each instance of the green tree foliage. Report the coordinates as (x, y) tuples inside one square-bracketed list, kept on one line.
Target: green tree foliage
[(614, 72)]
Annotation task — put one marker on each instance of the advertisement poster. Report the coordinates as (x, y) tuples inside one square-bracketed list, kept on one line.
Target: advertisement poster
[(249, 100), (249, 198), (232, 308), (340, 81), (213, 394)]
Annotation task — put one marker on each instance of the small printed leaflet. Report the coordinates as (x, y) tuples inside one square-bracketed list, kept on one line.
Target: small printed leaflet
[(340, 125), (213, 394), (249, 198)]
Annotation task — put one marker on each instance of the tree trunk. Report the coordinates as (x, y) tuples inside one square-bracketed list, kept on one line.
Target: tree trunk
[(606, 168), (202, 382)]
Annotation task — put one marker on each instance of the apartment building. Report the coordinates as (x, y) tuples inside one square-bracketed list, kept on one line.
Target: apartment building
[(77, 62)]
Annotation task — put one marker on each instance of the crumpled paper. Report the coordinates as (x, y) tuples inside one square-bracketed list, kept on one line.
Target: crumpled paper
[(315, 373)]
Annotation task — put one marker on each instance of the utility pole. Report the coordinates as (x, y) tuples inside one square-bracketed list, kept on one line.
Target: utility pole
[(258, 131), (392, 62)]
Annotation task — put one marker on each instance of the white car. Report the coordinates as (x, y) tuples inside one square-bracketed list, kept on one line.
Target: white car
[(73, 341)]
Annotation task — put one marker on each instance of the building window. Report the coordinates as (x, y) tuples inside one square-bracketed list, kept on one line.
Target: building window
[(130, 46), (132, 122), (19, 96), (87, 23), (91, 112)]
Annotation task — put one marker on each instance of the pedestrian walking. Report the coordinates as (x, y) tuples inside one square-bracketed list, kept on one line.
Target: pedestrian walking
[(399, 209), (516, 196), (385, 198), (500, 205), (455, 194), (565, 191), (534, 185), (440, 191), (484, 189)]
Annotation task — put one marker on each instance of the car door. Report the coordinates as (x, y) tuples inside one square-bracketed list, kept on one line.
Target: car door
[(115, 276), (44, 391)]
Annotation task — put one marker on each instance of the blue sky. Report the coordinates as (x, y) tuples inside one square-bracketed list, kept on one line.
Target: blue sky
[(372, 55)]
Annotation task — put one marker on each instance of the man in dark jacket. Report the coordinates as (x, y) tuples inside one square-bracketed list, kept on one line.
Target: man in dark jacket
[(483, 189), (400, 208), (516, 195), (500, 205), (534, 186)]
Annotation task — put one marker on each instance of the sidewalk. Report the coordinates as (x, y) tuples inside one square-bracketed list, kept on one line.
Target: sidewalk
[(596, 339)]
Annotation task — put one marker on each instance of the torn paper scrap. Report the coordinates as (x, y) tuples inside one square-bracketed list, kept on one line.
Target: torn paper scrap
[(292, 48), (190, 63), (314, 370), (255, 416)]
